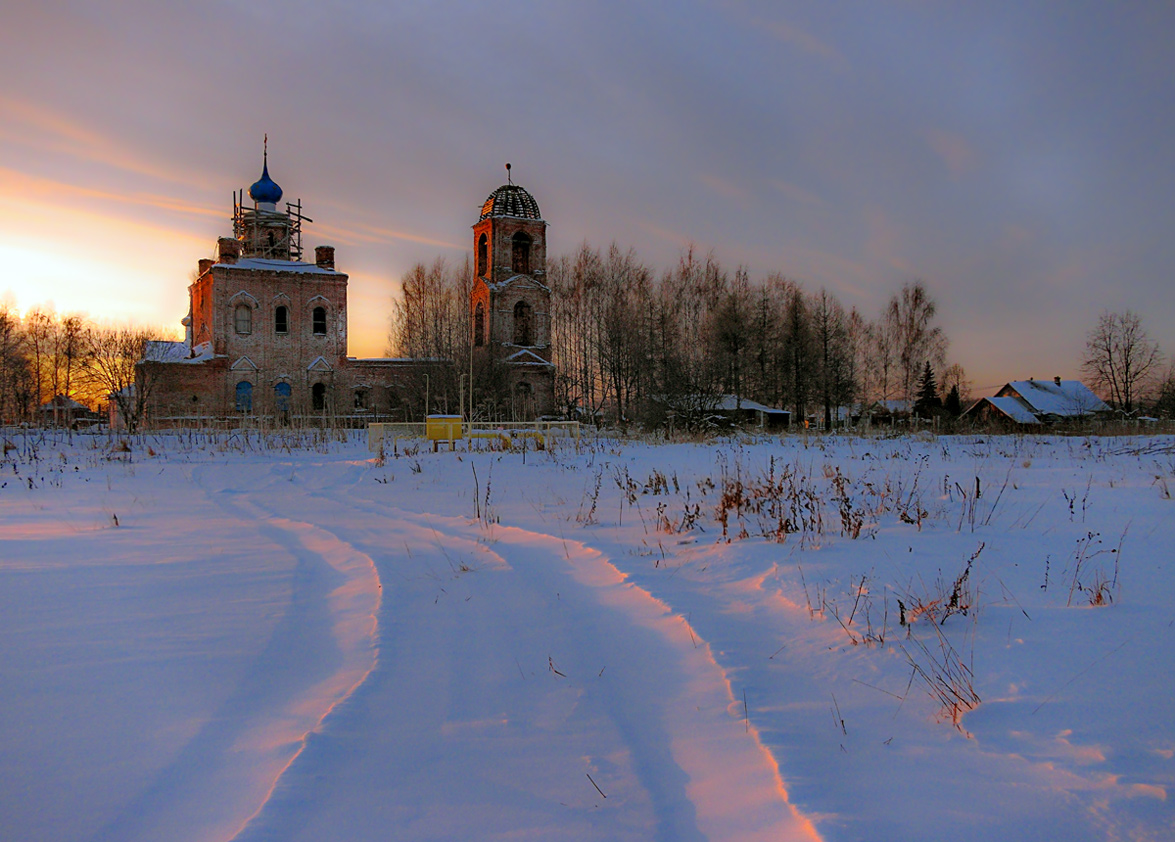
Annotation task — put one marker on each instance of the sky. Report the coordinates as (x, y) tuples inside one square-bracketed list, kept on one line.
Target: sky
[(1015, 157)]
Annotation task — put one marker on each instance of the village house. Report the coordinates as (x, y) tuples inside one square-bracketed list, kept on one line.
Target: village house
[(1034, 401)]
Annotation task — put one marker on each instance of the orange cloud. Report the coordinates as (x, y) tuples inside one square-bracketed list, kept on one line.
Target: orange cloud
[(799, 194), (722, 187), (18, 185), (35, 125), (953, 150)]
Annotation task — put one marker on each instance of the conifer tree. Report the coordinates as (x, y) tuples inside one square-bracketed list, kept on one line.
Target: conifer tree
[(928, 400), (953, 403)]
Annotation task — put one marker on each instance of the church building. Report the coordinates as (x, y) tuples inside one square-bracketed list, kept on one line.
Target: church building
[(266, 330)]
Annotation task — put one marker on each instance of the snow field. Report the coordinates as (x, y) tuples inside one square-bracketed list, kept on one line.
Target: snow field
[(300, 643)]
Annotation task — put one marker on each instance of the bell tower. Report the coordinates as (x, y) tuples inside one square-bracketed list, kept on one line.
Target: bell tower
[(510, 301)]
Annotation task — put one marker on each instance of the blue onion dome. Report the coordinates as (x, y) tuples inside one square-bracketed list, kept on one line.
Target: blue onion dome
[(265, 189), (510, 200)]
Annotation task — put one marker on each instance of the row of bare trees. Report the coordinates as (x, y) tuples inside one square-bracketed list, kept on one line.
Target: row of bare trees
[(631, 344), (44, 354)]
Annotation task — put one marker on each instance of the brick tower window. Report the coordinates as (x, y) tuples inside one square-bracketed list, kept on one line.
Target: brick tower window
[(243, 319), (479, 325), (482, 255), (522, 326), (281, 320), (520, 253), (318, 397), (318, 319)]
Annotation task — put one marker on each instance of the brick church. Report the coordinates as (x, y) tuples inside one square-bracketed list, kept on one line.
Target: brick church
[(266, 330)]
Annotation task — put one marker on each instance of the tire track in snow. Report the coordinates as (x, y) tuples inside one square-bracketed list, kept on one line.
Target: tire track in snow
[(707, 773), (318, 654), (354, 605)]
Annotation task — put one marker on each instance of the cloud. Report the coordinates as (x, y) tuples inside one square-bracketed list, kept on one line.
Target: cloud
[(723, 187), (806, 41), (18, 185), (358, 232), (798, 194), (35, 125), (953, 150)]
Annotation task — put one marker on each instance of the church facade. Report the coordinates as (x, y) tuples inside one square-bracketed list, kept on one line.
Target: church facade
[(266, 330)]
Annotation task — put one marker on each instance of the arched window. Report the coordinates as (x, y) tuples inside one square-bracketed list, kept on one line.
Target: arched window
[(281, 397), (243, 319), (520, 253), (281, 319), (522, 327), (479, 324), (318, 320), (244, 396), (523, 402), (483, 254), (318, 397), (361, 399)]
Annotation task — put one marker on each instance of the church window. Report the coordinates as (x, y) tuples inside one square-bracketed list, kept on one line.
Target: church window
[(522, 326), (243, 319), (361, 399), (318, 397), (483, 250), (281, 397), (244, 396), (281, 320), (520, 252), (479, 325), (318, 319)]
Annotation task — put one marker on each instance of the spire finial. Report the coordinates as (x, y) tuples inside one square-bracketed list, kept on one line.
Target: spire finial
[(509, 180), (265, 152)]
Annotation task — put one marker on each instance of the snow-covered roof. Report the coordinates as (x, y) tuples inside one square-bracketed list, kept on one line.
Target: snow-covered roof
[(1064, 398), (162, 351), (267, 265), (890, 405), (61, 402), (523, 280), (731, 403), (526, 356), (1014, 409)]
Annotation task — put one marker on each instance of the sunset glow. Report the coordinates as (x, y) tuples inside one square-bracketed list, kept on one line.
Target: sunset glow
[(991, 154)]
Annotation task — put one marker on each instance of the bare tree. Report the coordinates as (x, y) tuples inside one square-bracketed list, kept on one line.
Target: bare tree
[(910, 317), (730, 332), (117, 364), (18, 383), (834, 354), (1120, 358)]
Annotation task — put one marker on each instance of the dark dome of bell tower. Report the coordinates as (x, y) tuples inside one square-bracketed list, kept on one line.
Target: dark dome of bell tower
[(510, 200)]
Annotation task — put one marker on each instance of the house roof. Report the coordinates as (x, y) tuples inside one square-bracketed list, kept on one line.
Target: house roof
[(731, 403), (1013, 408), (161, 351), (61, 402), (1063, 398), (269, 265), (890, 405)]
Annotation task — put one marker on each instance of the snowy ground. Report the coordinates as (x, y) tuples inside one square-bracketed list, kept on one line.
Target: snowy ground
[(838, 639)]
